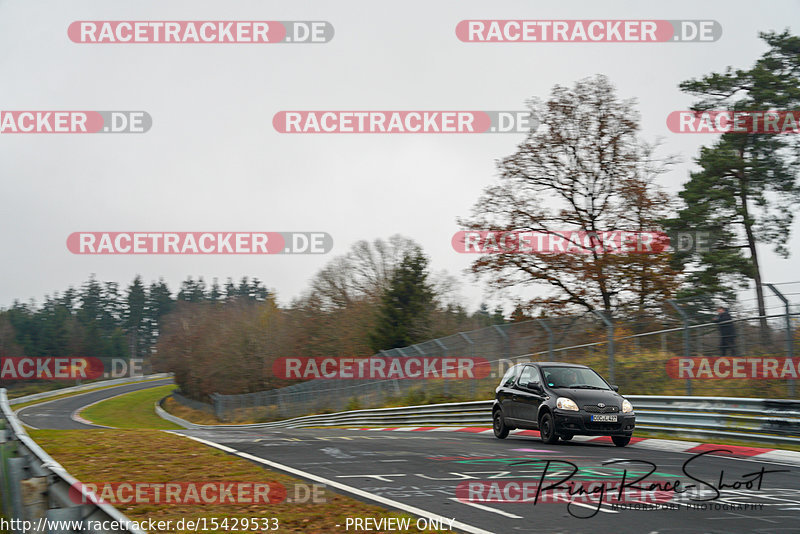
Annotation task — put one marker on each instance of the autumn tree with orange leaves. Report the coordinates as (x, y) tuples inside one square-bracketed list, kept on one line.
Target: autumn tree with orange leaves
[(584, 169)]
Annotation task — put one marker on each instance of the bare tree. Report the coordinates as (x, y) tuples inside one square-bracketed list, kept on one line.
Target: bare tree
[(583, 170)]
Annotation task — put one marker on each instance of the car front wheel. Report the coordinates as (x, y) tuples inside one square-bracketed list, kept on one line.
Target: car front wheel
[(547, 429), (499, 425), (621, 441)]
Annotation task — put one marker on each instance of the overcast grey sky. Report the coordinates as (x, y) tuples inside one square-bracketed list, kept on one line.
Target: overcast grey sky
[(212, 160)]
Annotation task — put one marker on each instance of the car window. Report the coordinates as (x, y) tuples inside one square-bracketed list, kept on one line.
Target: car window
[(511, 375), (573, 377), (529, 375)]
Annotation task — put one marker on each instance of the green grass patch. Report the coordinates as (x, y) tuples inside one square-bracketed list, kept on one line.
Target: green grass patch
[(99, 387), (131, 410)]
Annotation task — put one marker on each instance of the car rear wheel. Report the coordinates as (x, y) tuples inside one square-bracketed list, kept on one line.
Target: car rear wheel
[(499, 425), (547, 429), (621, 441)]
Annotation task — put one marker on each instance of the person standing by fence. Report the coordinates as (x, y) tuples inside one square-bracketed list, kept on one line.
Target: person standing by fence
[(727, 331)]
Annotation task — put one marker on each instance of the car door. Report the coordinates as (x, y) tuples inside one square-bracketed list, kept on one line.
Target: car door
[(505, 391), (527, 397)]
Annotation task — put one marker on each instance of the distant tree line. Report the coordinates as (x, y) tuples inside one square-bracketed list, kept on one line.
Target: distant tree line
[(224, 338), (100, 320)]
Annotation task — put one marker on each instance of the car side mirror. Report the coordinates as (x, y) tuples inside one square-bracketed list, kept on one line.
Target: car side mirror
[(615, 388), (535, 386)]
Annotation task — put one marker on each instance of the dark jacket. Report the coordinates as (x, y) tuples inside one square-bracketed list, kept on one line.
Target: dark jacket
[(726, 327)]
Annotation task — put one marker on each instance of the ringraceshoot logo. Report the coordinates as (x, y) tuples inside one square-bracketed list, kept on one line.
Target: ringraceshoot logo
[(565, 492)]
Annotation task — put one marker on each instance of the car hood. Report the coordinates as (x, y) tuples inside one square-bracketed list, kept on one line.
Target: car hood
[(591, 396)]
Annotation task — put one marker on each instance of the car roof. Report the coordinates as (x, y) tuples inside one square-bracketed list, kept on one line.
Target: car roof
[(559, 364)]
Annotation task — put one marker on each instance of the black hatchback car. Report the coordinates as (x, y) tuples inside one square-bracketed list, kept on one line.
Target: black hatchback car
[(561, 400)]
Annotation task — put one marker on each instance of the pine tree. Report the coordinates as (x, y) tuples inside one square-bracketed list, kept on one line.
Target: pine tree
[(135, 317), (747, 189), (405, 306)]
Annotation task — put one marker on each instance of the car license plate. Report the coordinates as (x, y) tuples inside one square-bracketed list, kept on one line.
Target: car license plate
[(604, 418)]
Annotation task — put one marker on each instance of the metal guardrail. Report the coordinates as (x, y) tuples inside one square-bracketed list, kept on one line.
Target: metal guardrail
[(38, 492), (767, 421)]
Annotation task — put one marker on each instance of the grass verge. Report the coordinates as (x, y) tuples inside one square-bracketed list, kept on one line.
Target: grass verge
[(131, 410), (198, 417)]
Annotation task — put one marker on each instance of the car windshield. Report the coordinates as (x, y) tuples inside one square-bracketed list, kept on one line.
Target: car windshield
[(573, 377)]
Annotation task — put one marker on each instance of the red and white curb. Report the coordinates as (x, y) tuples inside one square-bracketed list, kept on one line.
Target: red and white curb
[(691, 447)]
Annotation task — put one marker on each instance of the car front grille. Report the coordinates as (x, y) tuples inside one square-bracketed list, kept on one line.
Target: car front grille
[(591, 408)]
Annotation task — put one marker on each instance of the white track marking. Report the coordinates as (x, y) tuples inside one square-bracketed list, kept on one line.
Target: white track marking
[(487, 508), (349, 489)]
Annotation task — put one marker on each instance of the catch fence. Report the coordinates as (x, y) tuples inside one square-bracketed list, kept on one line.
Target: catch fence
[(670, 350)]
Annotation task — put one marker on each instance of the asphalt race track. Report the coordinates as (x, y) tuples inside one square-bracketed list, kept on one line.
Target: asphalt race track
[(421, 470), (58, 414)]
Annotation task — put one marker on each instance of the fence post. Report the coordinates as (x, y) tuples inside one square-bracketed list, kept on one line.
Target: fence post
[(217, 402), (789, 343), (686, 344), (472, 355), (506, 343), (446, 384), (550, 339), (610, 329)]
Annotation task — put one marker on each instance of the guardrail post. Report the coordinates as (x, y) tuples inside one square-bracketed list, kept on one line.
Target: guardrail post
[(687, 349), (15, 475), (610, 329), (63, 516), (550, 338), (789, 340), (34, 499)]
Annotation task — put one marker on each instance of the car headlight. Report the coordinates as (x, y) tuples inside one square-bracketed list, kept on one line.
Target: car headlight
[(626, 407), (566, 404)]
